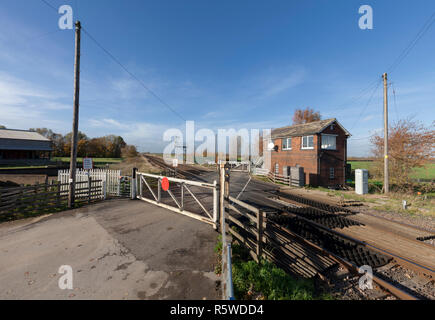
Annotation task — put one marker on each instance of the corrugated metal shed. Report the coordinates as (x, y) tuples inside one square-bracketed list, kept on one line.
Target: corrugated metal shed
[(23, 140)]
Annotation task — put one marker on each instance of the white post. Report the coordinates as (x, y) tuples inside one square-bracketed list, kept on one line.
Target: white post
[(119, 184), (104, 190)]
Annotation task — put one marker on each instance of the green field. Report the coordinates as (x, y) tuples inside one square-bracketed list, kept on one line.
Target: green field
[(98, 162), (95, 160), (426, 172)]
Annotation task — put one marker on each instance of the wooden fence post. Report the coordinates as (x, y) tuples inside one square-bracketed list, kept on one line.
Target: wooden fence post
[(58, 194)]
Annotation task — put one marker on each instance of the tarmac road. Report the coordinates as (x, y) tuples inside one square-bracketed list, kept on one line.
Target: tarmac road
[(118, 249)]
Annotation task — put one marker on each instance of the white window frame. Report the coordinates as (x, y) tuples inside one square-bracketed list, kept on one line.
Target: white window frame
[(287, 142), (329, 135), (302, 143)]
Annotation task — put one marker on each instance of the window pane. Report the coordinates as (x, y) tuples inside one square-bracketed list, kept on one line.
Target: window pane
[(329, 142), (308, 142)]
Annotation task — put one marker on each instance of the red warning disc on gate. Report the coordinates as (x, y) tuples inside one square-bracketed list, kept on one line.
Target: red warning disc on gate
[(165, 184)]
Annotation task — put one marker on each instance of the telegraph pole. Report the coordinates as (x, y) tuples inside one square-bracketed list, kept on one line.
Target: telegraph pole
[(386, 175), (73, 160)]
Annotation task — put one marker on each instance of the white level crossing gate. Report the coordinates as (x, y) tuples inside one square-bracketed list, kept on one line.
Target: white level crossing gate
[(194, 199), (111, 179), (238, 166)]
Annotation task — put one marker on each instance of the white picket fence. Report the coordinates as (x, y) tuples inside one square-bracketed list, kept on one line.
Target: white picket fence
[(110, 179)]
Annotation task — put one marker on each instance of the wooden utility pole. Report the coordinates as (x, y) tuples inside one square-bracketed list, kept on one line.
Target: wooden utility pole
[(386, 175), (73, 160)]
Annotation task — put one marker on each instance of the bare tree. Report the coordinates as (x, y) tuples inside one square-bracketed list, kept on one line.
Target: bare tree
[(305, 116), (129, 151), (411, 145)]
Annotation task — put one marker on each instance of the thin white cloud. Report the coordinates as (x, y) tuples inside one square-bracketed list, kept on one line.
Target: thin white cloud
[(276, 81), (107, 123), (24, 104)]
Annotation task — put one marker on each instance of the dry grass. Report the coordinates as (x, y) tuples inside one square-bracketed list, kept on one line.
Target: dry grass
[(417, 204), (139, 162)]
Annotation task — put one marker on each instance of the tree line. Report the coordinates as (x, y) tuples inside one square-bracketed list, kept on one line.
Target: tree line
[(110, 146), (411, 145)]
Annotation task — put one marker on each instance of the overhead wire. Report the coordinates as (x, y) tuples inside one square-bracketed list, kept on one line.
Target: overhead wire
[(374, 85), (111, 56), (133, 75), (367, 104), (405, 52)]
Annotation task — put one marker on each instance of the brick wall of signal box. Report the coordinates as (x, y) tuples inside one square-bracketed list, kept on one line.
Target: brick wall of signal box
[(311, 159)]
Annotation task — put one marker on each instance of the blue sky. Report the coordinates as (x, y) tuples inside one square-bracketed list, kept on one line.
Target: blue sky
[(223, 64)]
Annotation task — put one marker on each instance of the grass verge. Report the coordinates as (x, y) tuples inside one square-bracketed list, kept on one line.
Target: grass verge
[(264, 280)]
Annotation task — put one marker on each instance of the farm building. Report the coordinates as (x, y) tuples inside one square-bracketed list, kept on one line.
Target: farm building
[(319, 147), (21, 146)]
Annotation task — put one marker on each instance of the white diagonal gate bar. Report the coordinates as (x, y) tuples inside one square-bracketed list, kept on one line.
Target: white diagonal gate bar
[(180, 203)]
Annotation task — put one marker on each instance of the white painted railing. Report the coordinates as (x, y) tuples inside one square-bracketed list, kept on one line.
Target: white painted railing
[(260, 171), (141, 184), (111, 179)]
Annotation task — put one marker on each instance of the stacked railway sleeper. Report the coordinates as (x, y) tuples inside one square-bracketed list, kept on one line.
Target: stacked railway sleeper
[(300, 242), (278, 246), (328, 219), (288, 254), (315, 225), (312, 203), (353, 252)]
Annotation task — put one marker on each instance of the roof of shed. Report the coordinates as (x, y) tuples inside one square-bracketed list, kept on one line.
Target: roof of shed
[(305, 129), (21, 135)]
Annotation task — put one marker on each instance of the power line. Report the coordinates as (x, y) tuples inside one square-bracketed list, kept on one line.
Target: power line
[(124, 68), (426, 26), (412, 44), (361, 94), (133, 76), (367, 104), (50, 5)]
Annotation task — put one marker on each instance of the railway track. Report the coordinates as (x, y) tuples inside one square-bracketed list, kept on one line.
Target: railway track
[(391, 271), (182, 171), (317, 222)]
